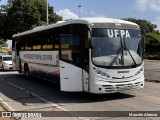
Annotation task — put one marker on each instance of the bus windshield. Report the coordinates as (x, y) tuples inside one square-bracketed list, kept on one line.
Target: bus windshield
[(116, 47)]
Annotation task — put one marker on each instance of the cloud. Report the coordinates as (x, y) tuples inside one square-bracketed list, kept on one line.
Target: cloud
[(157, 22), (9, 43), (67, 14), (145, 5), (92, 14)]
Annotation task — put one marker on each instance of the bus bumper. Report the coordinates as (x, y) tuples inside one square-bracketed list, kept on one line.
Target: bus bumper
[(100, 87)]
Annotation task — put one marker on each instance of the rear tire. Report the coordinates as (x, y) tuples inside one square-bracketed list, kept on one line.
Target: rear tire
[(27, 72), (2, 68)]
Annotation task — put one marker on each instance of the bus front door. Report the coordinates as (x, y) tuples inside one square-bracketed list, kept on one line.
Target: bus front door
[(17, 56), (70, 77)]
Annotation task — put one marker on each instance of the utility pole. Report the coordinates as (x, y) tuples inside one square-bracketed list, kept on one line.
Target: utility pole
[(79, 6), (47, 11)]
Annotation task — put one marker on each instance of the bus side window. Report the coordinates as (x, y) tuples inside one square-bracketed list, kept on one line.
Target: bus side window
[(22, 45), (36, 43), (56, 42), (44, 43), (28, 45), (48, 42), (50, 39), (70, 49)]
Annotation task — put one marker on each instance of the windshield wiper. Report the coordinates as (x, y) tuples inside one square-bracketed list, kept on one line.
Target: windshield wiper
[(117, 54), (125, 46)]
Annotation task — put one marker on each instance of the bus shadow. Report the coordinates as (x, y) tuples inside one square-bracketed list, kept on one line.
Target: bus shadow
[(2, 71), (18, 88), (89, 98)]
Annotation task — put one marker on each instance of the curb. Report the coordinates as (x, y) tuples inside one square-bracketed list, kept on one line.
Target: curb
[(5, 107), (152, 80)]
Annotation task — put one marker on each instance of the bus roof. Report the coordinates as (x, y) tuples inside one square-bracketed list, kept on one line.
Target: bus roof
[(86, 21)]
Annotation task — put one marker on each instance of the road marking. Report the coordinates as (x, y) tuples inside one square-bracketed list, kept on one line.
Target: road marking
[(33, 94), (6, 104)]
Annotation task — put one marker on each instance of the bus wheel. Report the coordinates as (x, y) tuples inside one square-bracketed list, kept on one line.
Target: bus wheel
[(26, 71), (2, 68)]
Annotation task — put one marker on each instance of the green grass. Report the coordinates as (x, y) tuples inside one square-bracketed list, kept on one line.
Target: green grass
[(152, 57)]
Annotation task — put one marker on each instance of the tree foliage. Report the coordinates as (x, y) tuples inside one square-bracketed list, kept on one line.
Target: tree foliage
[(21, 15), (146, 26), (152, 36), (2, 43), (152, 43)]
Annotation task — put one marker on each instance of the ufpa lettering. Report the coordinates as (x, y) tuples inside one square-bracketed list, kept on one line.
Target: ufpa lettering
[(116, 33)]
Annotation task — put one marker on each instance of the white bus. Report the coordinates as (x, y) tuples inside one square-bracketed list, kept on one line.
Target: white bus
[(95, 55)]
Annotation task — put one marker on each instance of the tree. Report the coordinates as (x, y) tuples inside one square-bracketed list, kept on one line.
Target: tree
[(152, 43), (146, 26), (2, 44), (22, 15), (2, 20), (152, 36)]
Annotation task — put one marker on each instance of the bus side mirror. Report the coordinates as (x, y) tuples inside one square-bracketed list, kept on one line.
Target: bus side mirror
[(143, 46), (143, 43)]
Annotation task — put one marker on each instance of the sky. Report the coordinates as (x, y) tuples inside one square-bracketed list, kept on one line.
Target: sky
[(139, 9)]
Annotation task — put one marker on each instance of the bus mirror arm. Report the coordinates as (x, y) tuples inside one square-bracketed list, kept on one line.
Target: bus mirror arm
[(90, 44), (89, 28), (143, 43)]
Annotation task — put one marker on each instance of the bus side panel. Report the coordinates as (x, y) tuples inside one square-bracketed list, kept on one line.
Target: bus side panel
[(42, 64), (53, 73)]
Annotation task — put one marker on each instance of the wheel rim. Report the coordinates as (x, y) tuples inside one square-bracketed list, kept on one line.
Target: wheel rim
[(2, 68), (27, 74)]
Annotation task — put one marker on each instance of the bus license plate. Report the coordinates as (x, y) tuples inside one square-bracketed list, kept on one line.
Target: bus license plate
[(124, 88)]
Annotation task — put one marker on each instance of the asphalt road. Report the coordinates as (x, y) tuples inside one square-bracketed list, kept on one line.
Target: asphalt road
[(152, 70), (19, 94)]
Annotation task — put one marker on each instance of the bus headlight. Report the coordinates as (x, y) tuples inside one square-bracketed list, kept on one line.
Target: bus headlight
[(104, 74), (139, 71), (101, 73), (98, 71), (5, 63)]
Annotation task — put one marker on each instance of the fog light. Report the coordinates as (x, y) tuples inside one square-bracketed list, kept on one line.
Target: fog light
[(100, 89)]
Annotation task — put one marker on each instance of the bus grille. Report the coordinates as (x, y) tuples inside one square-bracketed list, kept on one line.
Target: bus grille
[(123, 86), (108, 88), (118, 87), (137, 85)]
